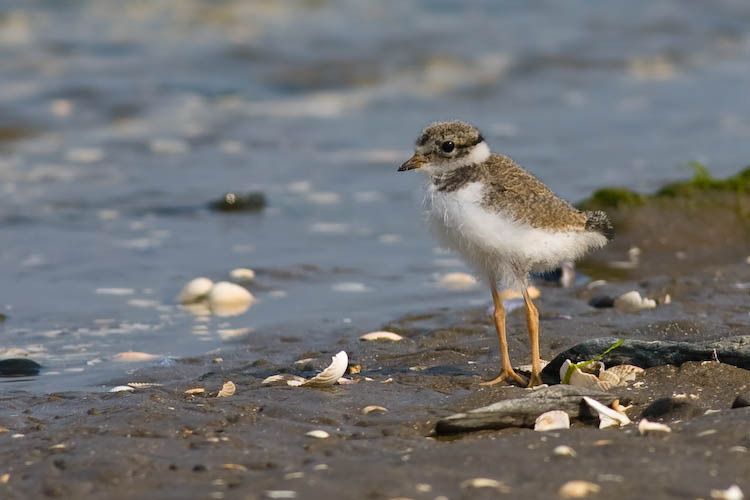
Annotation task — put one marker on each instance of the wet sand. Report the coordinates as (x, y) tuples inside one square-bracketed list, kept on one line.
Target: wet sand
[(159, 442)]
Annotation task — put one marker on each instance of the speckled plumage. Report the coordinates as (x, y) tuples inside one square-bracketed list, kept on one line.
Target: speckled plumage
[(511, 189)]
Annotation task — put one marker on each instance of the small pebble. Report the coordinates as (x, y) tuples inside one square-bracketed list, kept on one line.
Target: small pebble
[(134, 357), (577, 489), (564, 451), (318, 433), (19, 367), (236, 202), (741, 401), (483, 482), (281, 494), (602, 301), (242, 274), (732, 493)]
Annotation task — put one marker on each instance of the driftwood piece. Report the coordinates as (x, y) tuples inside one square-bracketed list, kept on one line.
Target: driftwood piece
[(522, 412)]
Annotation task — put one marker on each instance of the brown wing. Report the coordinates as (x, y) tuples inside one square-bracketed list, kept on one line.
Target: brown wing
[(514, 191)]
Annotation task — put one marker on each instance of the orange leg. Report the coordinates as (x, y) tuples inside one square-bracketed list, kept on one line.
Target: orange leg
[(532, 323), (506, 370)]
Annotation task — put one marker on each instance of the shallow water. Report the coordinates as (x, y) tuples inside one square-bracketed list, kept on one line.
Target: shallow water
[(120, 122)]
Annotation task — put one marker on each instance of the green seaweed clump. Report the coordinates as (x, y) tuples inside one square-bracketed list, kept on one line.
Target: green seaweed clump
[(702, 181), (612, 198)]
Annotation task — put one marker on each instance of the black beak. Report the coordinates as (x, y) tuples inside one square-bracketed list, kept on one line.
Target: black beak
[(415, 161)]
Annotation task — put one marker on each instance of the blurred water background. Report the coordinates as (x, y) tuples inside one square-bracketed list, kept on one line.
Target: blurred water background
[(120, 121)]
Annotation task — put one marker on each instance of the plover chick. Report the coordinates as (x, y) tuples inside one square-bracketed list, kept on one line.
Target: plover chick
[(502, 220)]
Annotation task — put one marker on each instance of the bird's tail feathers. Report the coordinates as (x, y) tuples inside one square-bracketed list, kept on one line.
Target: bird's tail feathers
[(598, 221)]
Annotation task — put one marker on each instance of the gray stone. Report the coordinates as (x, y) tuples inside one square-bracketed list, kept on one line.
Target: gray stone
[(646, 354), (522, 412)]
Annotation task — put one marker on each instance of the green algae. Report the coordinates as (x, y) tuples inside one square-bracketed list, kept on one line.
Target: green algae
[(700, 185)]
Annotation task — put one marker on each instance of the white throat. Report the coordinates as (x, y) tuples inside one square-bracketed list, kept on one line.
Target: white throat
[(479, 154)]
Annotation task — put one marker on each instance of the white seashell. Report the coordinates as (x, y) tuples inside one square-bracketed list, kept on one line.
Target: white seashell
[(345, 381), (457, 281), (197, 390), (551, 420), (283, 379), (607, 416), (320, 434), (122, 388), (226, 293), (242, 274), (226, 390), (395, 337), (332, 373), (295, 383), (579, 378), (577, 489), (564, 451), (633, 302), (372, 408), (133, 357), (732, 493), (195, 290), (626, 373), (645, 426)]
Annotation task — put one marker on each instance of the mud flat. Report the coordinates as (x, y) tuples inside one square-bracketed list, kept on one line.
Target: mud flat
[(168, 439)]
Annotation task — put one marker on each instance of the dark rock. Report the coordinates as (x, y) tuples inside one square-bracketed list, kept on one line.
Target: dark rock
[(235, 202), (741, 401), (522, 412), (19, 367), (602, 301), (671, 409), (646, 354)]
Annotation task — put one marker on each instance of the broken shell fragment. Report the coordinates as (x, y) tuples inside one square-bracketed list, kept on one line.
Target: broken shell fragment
[(195, 290), (318, 433), (646, 426), (564, 451), (626, 373), (283, 379), (197, 390), (143, 385), (584, 376), (484, 482), (607, 416), (577, 489), (122, 388), (551, 420), (332, 373), (226, 390), (372, 408), (395, 337), (633, 302)]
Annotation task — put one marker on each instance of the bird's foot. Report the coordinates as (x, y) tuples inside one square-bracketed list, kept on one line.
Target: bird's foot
[(535, 380), (504, 375)]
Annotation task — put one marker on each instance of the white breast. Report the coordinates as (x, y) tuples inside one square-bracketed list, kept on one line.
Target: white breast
[(494, 243)]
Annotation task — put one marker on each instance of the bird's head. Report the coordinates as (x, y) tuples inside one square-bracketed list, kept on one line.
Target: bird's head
[(445, 146)]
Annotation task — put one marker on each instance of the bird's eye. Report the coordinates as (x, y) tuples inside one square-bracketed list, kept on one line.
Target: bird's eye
[(447, 146)]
